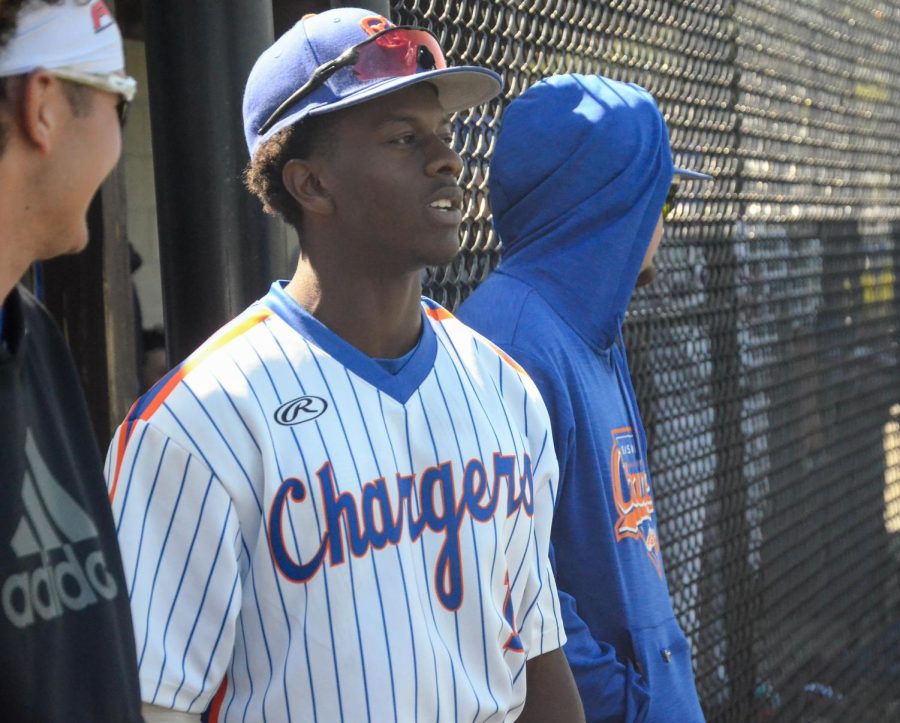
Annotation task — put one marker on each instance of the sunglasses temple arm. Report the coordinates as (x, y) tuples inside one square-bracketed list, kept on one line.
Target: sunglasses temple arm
[(322, 74)]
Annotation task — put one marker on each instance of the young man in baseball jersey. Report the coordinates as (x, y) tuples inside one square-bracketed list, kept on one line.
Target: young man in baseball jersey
[(580, 220), (338, 508), (66, 638)]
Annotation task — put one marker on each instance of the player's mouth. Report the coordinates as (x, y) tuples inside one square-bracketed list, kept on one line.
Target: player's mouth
[(445, 206)]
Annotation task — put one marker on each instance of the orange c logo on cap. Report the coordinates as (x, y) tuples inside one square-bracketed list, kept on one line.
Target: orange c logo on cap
[(375, 24)]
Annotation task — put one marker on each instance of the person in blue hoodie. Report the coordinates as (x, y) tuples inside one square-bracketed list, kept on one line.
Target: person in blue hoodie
[(581, 172)]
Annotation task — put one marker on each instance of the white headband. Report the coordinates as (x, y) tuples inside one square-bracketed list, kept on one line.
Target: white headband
[(77, 34)]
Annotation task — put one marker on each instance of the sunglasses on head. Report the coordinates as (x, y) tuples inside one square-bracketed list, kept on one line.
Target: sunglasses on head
[(393, 53), (669, 204), (122, 85)]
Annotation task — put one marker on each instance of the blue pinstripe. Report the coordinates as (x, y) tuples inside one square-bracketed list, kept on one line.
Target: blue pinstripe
[(212, 654), (362, 656), (425, 566), (515, 444), (187, 561), (539, 567), (190, 637), (306, 472), (237, 412), (280, 399), (250, 566), (447, 343), (256, 599), (140, 548), (159, 561), (261, 626), (137, 453), (387, 643), (474, 544), (537, 594), (233, 690), (465, 396), (499, 391), (412, 636), (540, 456), (557, 612), (525, 553), (512, 435), (225, 443)]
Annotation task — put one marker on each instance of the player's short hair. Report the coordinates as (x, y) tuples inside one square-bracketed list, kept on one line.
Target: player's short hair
[(9, 20), (9, 17), (263, 175)]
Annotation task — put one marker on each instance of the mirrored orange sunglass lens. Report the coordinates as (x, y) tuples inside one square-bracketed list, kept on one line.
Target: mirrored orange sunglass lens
[(397, 52)]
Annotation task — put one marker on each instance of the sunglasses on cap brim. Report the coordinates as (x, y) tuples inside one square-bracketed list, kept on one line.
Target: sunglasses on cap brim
[(393, 53)]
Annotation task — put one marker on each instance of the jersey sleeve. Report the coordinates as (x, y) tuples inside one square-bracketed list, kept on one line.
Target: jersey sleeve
[(541, 627), (180, 541)]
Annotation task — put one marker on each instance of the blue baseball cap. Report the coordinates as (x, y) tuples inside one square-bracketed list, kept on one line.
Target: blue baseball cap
[(316, 40)]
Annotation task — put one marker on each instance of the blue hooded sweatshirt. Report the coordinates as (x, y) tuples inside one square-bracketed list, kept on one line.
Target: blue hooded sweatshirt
[(580, 172)]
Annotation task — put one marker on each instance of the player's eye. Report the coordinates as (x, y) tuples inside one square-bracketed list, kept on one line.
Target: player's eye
[(405, 140)]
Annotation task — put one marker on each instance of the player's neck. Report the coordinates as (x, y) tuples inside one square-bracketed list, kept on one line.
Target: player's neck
[(381, 319), (15, 225)]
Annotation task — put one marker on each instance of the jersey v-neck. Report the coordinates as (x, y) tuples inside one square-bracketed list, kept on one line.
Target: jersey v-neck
[(399, 386), (394, 365)]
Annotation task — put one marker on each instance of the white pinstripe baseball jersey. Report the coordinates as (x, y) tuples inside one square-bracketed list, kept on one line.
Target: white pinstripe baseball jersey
[(308, 537)]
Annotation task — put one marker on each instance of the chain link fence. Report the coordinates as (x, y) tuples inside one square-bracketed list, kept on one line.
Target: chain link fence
[(766, 353)]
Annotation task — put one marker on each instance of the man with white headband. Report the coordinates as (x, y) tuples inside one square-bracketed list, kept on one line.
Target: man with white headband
[(66, 640)]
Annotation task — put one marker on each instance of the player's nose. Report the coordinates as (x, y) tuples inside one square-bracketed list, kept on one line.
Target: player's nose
[(442, 159)]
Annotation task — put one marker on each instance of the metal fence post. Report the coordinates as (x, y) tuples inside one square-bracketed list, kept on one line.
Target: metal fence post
[(217, 249)]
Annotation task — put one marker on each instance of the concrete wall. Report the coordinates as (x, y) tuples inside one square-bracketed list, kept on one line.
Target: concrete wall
[(137, 157)]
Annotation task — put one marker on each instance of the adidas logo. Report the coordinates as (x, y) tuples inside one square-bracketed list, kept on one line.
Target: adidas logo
[(53, 522)]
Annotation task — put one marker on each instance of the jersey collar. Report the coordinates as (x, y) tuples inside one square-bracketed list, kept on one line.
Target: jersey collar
[(399, 387)]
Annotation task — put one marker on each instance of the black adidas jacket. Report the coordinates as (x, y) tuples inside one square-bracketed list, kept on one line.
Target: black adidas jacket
[(66, 641)]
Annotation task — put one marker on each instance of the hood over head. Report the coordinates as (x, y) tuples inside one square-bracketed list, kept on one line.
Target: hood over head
[(578, 179)]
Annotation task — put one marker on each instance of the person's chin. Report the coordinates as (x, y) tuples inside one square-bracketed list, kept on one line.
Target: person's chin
[(65, 244), (443, 248), (78, 244), (77, 240)]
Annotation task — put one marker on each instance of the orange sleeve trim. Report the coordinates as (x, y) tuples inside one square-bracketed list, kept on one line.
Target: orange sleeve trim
[(199, 356), (439, 313), (124, 435), (507, 358), (215, 706), (146, 408)]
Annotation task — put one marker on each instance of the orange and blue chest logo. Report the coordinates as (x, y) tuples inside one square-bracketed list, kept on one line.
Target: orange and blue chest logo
[(631, 492), (383, 514)]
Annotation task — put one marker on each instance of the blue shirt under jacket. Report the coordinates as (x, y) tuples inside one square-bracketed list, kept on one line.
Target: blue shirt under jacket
[(575, 211)]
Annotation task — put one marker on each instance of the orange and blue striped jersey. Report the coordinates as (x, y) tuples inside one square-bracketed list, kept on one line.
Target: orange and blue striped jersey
[(307, 536)]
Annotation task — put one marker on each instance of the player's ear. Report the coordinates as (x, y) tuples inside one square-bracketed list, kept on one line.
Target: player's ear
[(301, 179), (41, 109)]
